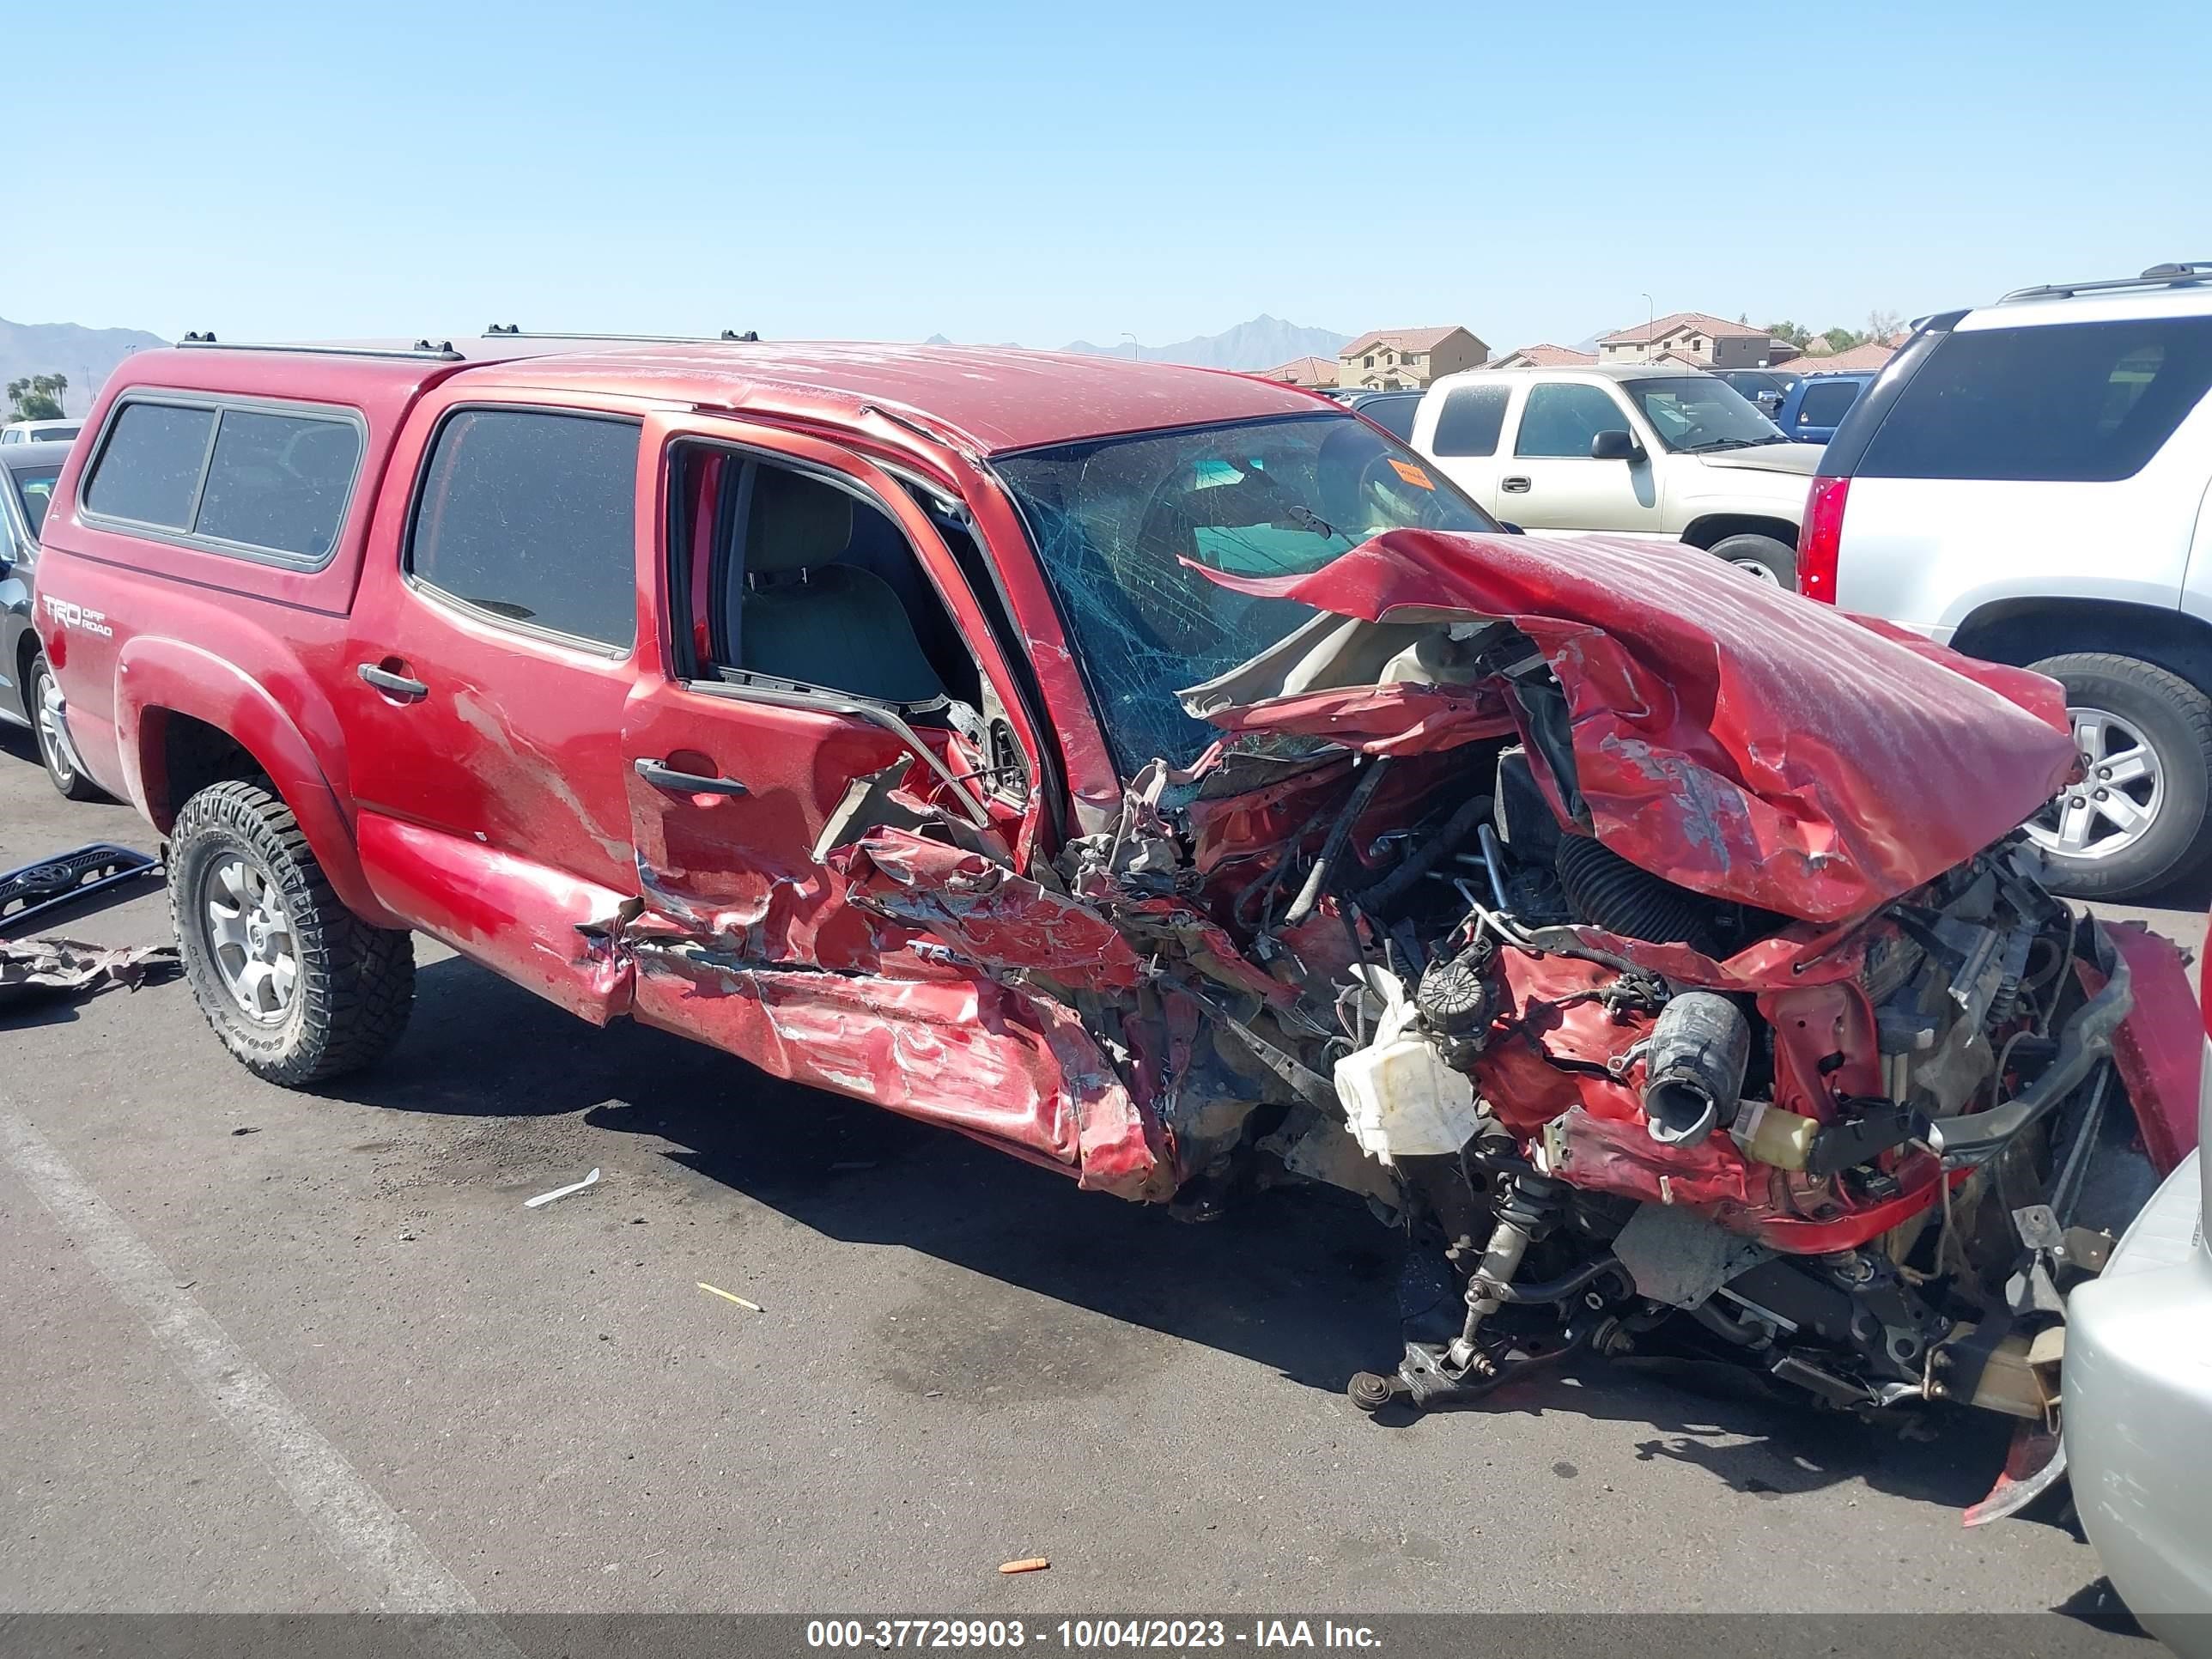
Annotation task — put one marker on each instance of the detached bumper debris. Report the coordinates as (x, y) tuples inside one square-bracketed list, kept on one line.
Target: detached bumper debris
[(68, 879), (34, 967)]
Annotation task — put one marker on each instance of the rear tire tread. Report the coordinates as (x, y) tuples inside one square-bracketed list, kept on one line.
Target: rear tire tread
[(356, 982)]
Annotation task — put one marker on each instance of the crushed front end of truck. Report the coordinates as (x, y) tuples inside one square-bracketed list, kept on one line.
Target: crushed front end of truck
[(1656, 950)]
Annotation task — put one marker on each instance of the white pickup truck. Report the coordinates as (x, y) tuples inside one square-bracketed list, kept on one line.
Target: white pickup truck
[(1674, 454)]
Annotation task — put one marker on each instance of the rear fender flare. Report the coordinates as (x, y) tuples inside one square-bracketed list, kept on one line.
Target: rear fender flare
[(156, 677)]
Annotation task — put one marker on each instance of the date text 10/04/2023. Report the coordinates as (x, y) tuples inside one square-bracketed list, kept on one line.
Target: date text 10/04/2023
[(1089, 1635)]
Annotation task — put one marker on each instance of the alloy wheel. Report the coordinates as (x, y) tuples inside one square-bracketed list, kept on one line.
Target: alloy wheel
[(2114, 805), (249, 937), (53, 736)]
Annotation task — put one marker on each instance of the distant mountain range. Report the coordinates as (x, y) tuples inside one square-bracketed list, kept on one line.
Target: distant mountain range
[(85, 357), (1260, 344)]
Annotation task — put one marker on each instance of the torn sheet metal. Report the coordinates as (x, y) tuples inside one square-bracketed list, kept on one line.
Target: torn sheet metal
[(968, 1053), (32, 968), (987, 913), (2158, 1048), (1723, 734)]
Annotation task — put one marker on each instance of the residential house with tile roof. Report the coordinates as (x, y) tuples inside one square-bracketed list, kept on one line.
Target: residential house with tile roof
[(1314, 373), (1545, 356), (1395, 359), (1697, 337), (1873, 354)]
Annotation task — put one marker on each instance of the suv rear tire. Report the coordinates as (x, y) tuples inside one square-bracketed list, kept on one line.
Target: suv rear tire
[(297, 986), (1762, 558), (2137, 819)]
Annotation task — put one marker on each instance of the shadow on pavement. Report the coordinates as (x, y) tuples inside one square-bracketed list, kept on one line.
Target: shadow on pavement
[(1292, 1279)]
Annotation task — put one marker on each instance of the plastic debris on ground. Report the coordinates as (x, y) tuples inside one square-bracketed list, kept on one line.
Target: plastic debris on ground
[(32, 968), (561, 1192)]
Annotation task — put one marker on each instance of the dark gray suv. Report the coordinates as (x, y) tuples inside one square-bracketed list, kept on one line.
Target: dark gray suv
[(28, 695)]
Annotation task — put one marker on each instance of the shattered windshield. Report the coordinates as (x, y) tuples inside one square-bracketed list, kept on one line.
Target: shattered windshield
[(1117, 522)]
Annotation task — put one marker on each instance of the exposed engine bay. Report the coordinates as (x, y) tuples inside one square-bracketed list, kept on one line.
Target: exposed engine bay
[(1804, 1177), (1654, 1027)]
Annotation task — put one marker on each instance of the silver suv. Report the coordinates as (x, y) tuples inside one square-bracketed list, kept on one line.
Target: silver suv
[(2027, 482)]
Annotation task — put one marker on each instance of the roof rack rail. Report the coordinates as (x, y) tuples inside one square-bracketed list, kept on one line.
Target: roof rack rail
[(516, 331), (436, 350), (2182, 273)]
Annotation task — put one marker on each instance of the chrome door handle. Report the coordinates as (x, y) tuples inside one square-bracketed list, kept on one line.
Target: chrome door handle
[(397, 685), (663, 776), (1516, 485)]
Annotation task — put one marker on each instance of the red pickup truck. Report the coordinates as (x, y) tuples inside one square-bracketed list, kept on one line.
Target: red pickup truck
[(1159, 774)]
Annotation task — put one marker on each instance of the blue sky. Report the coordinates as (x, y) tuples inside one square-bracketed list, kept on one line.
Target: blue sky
[(1041, 172)]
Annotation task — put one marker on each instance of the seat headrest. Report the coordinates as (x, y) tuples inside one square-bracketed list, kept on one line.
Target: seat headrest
[(797, 522)]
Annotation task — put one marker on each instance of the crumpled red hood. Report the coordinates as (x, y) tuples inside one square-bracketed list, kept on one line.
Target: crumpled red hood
[(1731, 737)]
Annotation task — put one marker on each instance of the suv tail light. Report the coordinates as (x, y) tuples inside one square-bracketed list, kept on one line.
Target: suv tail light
[(1822, 538)]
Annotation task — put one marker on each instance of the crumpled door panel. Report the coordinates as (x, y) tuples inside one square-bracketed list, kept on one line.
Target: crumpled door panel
[(967, 1052)]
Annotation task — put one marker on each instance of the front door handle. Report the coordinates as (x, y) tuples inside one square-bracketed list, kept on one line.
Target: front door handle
[(663, 776), (1516, 485), (396, 685)]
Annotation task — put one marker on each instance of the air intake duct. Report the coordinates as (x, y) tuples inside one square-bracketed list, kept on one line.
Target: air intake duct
[(1694, 1069)]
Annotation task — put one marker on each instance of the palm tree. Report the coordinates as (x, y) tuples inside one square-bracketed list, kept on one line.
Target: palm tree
[(37, 397)]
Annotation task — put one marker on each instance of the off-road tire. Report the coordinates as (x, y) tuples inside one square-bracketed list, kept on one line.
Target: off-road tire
[(2174, 718), (356, 984), (1777, 557), (69, 780)]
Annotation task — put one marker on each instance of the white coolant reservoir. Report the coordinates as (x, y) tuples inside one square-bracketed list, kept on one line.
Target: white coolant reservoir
[(1399, 1096)]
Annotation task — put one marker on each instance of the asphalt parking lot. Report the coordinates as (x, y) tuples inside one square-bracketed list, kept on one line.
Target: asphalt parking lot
[(271, 1350)]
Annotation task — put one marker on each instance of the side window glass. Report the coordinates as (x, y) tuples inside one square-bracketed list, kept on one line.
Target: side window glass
[(279, 482), (1395, 415), (255, 480), (36, 490), (1468, 423), (1561, 420), (531, 516), (149, 471), (1826, 404), (2064, 402)]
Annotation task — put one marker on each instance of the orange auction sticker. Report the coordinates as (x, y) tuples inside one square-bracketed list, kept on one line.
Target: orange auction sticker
[(1411, 474)]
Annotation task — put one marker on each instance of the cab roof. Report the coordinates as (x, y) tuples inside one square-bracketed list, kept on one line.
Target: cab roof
[(992, 400), (998, 398), (36, 453)]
